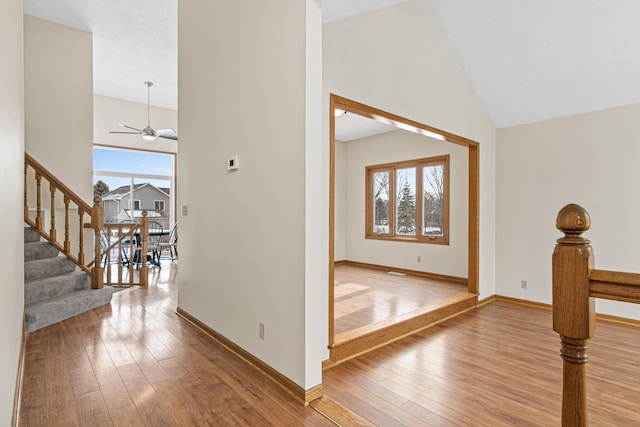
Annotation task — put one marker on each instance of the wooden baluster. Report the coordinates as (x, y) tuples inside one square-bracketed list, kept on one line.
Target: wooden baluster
[(81, 238), (97, 223), (38, 202), (67, 242), (120, 258), (573, 310), (144, 233), (132, 251), (108, 261), (52, 231)]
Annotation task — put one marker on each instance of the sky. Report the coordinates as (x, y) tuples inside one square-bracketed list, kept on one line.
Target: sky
[(135, 162)]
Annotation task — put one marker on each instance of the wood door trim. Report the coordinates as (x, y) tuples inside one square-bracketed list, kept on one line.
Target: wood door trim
[(338, 102)]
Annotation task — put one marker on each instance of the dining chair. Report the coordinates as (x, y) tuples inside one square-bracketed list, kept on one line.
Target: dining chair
[(156, 231), (127, 243), (171, 244)]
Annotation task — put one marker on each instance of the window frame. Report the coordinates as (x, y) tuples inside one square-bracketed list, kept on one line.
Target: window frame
[(392, 168), (133, 205), (156, 203)]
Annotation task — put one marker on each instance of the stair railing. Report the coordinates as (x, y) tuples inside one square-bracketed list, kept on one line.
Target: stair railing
[(74, 244), (123, 246), (576, 283)]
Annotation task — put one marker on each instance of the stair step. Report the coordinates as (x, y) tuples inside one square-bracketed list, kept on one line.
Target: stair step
[(63, 307), (40, 290), (54, 288), (31, 235), (39, 250), (39, 269)]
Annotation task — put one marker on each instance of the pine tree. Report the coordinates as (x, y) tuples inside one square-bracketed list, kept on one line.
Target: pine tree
[(100, 188), (406, 212)]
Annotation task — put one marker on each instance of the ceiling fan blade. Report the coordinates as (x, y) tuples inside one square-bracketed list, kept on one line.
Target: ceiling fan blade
[(148, 133), (167, 133), (130, 127), (130, 133)]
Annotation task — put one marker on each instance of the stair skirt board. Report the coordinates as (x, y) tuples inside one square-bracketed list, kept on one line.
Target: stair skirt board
[(54, 288)]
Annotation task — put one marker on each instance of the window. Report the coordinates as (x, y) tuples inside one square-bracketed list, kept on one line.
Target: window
[(409, 201), (122, 173), (158, 205)]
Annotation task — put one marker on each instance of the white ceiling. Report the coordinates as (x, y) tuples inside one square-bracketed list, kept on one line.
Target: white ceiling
[(540, 59), (528, 60)]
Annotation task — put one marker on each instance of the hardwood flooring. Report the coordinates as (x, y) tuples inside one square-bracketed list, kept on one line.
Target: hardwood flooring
[(364, 296), (498, 365), (136, 363)]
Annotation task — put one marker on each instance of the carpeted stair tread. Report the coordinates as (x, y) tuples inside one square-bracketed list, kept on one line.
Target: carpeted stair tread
[(55, 289), (36, 291), (31, 235), (63, 307), (39, 269), (39, 250)]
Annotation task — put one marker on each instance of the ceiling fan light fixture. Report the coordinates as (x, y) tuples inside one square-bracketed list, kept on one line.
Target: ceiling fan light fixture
[(149, 134)]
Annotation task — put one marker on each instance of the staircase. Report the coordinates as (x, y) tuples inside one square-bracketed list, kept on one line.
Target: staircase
[(54, 289)]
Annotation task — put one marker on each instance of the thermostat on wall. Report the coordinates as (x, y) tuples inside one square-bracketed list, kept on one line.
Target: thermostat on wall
[(232, 163)]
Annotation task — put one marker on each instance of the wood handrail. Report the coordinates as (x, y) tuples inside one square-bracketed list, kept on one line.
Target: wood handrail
[(576, 284), (86, 259), (79, 201), (119, 244), (615, 285)]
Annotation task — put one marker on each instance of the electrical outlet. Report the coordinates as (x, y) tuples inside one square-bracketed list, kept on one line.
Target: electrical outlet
[(523, 284), (261, 331)]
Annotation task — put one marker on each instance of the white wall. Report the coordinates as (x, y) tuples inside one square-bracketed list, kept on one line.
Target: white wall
[(398, 60), (247, 88), (109, 112), (11, 186), (58, 63), (398, 146), (589, 159)]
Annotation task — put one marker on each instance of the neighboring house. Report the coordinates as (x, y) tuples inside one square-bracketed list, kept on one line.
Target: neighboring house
[(156, 201)]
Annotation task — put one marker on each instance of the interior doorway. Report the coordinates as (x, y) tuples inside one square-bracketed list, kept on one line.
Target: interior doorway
[(343, 346)]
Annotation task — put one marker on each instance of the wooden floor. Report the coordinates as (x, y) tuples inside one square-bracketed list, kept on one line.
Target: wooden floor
[(136, 363), (364, 296), (498, 365)]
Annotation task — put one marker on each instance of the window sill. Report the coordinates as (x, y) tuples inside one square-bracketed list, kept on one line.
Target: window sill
[(410, 239)]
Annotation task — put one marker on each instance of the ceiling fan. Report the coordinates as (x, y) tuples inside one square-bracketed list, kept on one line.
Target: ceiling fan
[(149, 133)]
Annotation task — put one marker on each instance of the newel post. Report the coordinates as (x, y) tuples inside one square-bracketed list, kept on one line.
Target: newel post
[(573, 309), (97, 223)]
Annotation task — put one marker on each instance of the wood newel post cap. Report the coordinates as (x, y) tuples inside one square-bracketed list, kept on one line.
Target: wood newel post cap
[(97, 200), (573, 220), (145, 214)]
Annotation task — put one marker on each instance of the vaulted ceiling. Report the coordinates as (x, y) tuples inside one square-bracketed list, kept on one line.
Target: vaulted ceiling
[(528, 60)]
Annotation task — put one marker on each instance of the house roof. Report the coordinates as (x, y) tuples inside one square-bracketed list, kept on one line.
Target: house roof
[(124, 190)]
